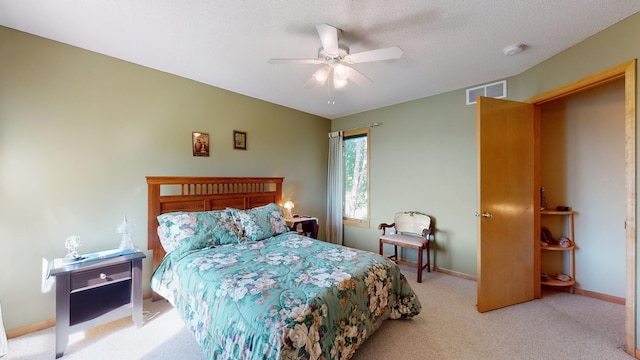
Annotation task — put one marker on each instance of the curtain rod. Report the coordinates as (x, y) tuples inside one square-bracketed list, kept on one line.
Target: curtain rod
[(334, 133)]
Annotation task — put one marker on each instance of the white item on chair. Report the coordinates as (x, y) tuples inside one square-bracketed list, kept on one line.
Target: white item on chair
[(4, 346)]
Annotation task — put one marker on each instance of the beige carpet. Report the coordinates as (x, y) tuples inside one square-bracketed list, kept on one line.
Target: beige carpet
[(558, 326)]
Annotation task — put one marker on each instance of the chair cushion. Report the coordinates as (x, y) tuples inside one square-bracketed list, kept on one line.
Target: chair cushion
[(411, 222), (404, 240)]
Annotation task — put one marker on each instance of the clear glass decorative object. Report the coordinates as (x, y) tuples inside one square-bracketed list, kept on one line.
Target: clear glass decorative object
[(126, 228), (71, 244)]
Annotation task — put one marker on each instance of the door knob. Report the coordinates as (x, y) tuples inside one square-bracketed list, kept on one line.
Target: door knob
[(484, 215)]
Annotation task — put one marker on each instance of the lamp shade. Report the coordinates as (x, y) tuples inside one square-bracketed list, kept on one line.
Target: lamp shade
[(289, 205)]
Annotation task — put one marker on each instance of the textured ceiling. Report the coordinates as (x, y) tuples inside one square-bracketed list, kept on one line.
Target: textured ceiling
[(447, 44)]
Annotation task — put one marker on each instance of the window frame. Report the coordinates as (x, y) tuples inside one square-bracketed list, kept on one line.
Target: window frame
[(364, 223)]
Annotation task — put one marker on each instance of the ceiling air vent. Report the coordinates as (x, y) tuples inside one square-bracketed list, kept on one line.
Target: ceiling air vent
[(496, 90)]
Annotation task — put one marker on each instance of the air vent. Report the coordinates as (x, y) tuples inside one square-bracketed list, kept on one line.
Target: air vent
[(496, 90)]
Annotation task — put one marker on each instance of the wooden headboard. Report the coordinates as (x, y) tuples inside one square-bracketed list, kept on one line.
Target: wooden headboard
[(197, 193)]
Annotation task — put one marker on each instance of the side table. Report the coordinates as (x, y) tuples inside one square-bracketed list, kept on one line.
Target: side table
[(308, 224), (95, 292)]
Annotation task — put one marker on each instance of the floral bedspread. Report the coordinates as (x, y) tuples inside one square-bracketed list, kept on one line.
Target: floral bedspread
[(286, 297)]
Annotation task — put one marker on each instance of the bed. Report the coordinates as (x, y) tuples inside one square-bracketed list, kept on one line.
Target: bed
[(248, 288)]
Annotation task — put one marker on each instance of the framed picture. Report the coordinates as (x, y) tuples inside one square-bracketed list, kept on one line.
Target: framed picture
[(239, 140), (200, 144)]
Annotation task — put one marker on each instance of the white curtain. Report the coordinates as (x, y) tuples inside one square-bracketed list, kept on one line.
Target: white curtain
[(334, 189), (4, 347)]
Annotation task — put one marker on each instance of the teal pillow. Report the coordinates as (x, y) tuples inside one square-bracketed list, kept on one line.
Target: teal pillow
[(196, 230), (222, 227), (261, 222), (175, 228)]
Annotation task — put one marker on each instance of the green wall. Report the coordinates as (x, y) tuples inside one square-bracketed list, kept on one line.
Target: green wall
[(80, 131), (423, 158)]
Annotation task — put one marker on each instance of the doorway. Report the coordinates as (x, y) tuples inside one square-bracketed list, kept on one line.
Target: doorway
[(582, 166), (626, 71)]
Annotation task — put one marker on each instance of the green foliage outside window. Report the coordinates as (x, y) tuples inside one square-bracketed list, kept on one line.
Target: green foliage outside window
[(356, 186)]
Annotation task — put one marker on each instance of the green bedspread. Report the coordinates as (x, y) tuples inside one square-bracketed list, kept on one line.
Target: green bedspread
[(286, 297)]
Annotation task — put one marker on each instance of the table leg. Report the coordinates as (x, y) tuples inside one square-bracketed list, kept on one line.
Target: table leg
[(136, 293), (62, 314)]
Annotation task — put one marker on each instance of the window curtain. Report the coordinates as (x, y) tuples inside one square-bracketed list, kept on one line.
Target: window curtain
[(334, 189)]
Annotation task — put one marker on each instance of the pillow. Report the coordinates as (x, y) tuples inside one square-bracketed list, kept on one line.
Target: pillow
[(196, 230), (261, 222), (222, 227), (174, 228)]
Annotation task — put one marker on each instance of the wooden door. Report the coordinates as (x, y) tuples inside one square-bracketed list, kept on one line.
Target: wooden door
[(507, 199)]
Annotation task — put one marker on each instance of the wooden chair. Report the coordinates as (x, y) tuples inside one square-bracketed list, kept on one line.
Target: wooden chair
[(412, 230)]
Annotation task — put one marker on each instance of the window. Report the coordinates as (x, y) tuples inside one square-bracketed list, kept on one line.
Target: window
[(356, 178)]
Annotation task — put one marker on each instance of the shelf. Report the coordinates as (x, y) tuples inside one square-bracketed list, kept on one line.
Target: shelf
[(568, 233), (554, 282), (90, 304), (557, 248), (555, 212)]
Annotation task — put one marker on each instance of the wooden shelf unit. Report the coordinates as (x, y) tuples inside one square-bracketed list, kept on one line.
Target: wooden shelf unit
[(570, 249)]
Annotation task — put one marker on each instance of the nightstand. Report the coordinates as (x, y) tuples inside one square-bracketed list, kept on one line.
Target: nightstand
[(308, 225), (95, 292)]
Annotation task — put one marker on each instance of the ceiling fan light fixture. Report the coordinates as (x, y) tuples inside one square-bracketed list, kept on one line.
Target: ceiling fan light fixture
[(322, 74), (339, 84), (341, 72)]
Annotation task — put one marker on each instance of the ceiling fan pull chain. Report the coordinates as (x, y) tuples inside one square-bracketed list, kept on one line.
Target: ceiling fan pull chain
[(331, 100)]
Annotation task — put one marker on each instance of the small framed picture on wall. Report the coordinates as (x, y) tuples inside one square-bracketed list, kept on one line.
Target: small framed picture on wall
[(239, 140), (200, 144)]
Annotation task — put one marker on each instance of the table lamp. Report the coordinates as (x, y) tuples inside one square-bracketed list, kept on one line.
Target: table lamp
[(289, 205)]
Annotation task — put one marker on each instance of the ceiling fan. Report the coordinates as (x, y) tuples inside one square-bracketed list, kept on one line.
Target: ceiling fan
[(336, 61)]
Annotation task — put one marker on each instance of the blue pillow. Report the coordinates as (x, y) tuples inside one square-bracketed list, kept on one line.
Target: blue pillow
[(222, 227), (261, 222), (188, 231)]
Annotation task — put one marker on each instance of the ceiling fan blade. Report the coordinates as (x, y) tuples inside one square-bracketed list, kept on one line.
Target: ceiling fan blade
[(389, 53), (358, 77), (312, 83), (329, 38), (294, 61)]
